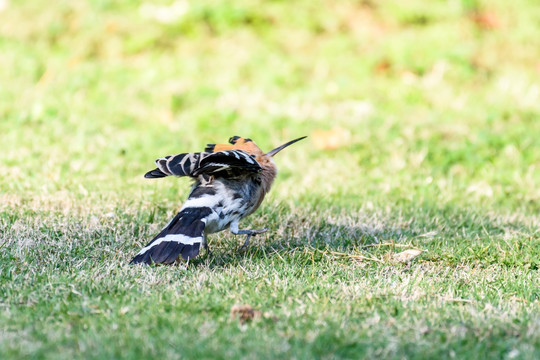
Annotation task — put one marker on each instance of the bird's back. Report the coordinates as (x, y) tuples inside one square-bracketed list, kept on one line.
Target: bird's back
[(229, 199)]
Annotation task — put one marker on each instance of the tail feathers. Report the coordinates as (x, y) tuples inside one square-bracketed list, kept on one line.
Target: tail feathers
[(182, 237), (168, 250)]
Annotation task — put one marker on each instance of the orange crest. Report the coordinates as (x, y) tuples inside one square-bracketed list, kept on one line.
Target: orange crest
[(239, 143)]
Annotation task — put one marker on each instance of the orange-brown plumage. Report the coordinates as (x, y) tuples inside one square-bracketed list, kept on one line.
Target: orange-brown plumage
[(269, 171), (240, 143)]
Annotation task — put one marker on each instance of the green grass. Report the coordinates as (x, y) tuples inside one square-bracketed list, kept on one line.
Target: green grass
[(435, 106)]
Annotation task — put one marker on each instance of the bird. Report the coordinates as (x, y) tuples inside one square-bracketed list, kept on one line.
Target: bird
[(230, 183)]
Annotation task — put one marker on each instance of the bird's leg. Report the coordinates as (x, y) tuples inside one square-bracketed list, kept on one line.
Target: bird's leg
[(205, 245), (249, 233), (246, 243)]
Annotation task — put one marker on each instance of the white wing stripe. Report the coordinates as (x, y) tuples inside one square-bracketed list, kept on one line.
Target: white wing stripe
[(179, 238)]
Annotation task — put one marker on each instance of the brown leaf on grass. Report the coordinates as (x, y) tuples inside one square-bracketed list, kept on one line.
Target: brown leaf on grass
[(407, 255), (383, 66), (487, 20), (73, 62), (244, 313), (111, 27), (330, 139)]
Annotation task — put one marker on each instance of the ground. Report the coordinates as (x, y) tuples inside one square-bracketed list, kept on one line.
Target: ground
[(423, 134)]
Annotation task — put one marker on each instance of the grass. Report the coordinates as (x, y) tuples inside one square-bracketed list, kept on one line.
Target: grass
[(423, 134)]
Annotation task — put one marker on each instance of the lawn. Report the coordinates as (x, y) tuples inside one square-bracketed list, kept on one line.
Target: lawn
[(423, 134)]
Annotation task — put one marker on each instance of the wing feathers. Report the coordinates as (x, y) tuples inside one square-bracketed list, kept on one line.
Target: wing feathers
[(179, 165), (184, 164), (223, 163), (228, 162)]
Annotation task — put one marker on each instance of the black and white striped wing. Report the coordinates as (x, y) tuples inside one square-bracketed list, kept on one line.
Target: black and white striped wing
[(177, 165), (227, 163)]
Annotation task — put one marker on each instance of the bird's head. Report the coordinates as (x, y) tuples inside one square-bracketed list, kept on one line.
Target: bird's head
[(264, 159), (249, 146)]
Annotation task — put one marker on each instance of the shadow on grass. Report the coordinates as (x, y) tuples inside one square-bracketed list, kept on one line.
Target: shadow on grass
[(447, 233), (298, 244)]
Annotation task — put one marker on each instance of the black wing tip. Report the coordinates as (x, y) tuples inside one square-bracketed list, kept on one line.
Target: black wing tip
[(167, 255), (142, 259), (155, 174)]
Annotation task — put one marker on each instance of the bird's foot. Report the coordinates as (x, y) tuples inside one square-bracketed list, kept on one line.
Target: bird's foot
[(249, 234)]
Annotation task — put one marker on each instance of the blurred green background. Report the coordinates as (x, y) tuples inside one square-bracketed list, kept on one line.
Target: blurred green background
[(409, 99), (424, 133)]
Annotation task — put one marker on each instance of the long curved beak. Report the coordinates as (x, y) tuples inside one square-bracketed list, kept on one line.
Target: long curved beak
[(279, 148)]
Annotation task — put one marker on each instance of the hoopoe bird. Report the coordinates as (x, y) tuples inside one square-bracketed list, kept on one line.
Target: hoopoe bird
[(231, 181)]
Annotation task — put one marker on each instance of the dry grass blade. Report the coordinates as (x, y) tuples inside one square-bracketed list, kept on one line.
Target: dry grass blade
[(349, 256), (407, 255)]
